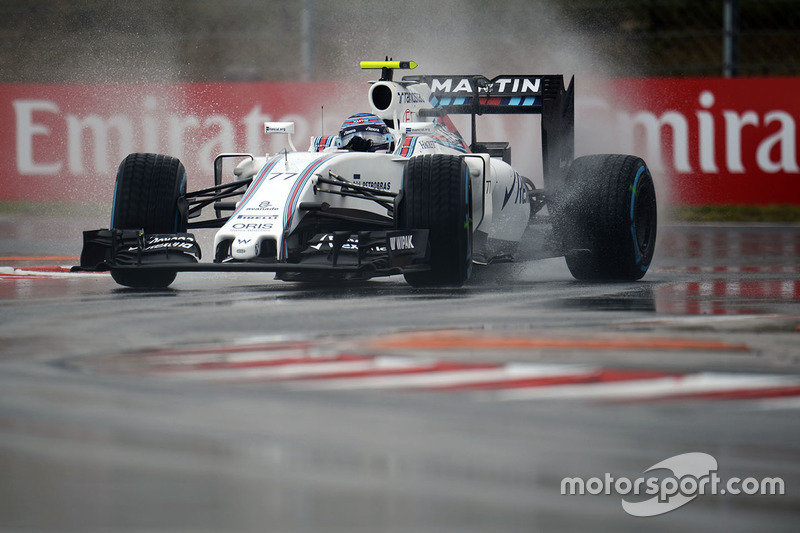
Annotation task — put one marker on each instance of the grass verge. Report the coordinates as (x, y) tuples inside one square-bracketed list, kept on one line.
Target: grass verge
[(53, 209), (735, 213)]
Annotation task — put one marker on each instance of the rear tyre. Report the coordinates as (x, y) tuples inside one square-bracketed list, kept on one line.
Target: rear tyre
[(607, 218), (437, 197), (146, 197)]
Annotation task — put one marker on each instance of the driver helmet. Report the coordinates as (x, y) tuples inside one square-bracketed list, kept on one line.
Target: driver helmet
[(364, 132)]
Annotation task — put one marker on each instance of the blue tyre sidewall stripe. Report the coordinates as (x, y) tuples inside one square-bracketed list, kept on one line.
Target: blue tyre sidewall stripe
[(634, 193), (114, 201), (181, 192)]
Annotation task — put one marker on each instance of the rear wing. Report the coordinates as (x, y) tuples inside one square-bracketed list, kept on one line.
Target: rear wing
[(546, 95)]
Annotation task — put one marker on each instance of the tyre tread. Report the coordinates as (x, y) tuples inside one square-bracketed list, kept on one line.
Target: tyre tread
[(596, 217), (146, 197), (434, 186)]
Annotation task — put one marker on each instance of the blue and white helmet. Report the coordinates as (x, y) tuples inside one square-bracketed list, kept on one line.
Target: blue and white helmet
[(364, 132)]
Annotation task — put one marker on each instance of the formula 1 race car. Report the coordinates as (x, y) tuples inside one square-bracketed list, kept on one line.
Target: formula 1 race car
[(397, 191)]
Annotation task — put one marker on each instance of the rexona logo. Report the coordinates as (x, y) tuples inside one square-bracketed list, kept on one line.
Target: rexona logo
[(171, 242), (401, 242), (679, 480), (501, 85)]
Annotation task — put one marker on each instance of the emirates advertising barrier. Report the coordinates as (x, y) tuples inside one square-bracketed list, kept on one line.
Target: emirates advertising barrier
[(707, 141)]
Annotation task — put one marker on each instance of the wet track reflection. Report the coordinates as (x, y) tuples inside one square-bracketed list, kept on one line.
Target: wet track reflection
[(238, 403)]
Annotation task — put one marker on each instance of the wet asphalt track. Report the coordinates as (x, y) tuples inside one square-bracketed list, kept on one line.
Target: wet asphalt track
[(236, 403)]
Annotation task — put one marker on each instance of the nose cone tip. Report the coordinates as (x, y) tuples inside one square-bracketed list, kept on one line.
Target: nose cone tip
[(244, 248)]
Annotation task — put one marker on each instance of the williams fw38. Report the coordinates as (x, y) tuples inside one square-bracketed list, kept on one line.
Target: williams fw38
[(397, 190)]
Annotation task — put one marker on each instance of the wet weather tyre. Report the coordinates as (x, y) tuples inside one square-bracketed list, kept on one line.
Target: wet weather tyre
[(437, 196), (608, 218), (146, 197)]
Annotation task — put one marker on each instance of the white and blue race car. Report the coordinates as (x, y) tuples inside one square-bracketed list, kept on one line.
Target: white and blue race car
[(397, 191)]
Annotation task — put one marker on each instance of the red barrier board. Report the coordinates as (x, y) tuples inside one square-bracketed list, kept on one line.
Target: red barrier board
[(66, 141), (707, 141), (713, 141)]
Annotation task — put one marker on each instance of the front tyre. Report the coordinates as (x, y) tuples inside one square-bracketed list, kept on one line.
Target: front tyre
[(437, 196), (146, 196), (607, 218)]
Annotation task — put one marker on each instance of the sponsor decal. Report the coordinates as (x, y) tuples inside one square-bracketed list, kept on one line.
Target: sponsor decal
[(516, 85), (403, 247), (171, 242), (350, 131), (501, 85), (256, 217), (176, 238), (279, 127), (407, 97), (164, 245), (252, 226), (263, 206), (382, 185), (270, 129), (401, 242), (517, 190), (326, 241), (418, 128)]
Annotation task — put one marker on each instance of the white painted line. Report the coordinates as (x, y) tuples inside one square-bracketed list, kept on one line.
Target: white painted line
[(705, 319), (649, 388), (178, 360), (449, 378), (21, 273), (727, 270), (294, 370)]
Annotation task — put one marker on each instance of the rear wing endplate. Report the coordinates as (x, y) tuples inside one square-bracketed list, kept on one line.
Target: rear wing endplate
[(515, 94)]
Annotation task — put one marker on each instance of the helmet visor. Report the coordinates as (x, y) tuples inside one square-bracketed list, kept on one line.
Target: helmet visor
[(376, 137)]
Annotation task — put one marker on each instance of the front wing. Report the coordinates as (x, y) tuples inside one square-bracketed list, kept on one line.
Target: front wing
[(337, 255)]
